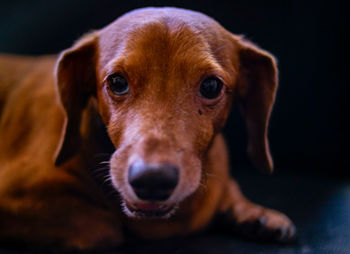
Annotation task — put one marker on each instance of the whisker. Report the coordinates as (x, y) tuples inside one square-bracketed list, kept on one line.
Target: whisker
[(213, 176), (100, 171), (107, 179), (102, 168)]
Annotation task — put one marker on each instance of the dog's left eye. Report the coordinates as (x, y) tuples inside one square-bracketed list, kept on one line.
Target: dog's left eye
[(210, 88), (118, 84)]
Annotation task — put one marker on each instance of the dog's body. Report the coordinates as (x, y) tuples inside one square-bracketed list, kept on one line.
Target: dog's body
[(51, 130)]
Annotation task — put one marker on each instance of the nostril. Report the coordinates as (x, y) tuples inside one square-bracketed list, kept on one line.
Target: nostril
[(153, 181)]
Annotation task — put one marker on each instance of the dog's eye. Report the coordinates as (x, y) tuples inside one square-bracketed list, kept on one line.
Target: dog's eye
[(210, 88), (118, 84)]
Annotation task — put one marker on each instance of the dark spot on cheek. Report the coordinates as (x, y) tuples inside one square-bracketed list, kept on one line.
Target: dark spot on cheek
[(200, 112)]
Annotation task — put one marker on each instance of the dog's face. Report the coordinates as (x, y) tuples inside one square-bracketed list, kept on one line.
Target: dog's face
[(162, 95), (164, 82)]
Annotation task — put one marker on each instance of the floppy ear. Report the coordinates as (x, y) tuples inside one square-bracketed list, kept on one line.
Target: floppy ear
[(257, 86), (76, 82)]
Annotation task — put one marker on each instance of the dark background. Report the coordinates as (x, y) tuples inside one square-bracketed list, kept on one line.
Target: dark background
[(308, 129)]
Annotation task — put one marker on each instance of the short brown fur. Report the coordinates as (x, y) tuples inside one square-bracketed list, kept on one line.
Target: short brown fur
[(50, 125)]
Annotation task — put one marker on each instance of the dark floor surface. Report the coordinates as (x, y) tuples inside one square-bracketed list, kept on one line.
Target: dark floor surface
[(319, 206)]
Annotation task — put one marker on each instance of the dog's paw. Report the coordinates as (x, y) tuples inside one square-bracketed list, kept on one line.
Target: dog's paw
[(256, 222)]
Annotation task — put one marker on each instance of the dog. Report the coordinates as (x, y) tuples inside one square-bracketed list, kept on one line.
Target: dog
[(152, 90)]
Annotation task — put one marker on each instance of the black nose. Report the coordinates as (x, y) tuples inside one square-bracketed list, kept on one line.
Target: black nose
[(153, 182)]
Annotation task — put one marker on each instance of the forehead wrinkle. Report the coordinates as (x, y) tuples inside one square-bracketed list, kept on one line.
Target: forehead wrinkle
[(167, 48)]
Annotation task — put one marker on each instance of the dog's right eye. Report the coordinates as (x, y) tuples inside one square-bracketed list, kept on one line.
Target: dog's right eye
[(118, 84)]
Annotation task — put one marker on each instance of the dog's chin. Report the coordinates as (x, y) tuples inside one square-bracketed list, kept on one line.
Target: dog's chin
[(149, 210)]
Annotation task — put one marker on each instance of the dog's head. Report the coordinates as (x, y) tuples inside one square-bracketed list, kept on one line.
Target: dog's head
[(164, 80)]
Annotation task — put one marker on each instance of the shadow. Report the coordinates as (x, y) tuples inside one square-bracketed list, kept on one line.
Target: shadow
[(320, 208)]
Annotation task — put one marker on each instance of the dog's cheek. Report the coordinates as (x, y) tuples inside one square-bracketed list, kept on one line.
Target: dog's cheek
[(221, 114), (203, 136), (117, 130), (104, 105)]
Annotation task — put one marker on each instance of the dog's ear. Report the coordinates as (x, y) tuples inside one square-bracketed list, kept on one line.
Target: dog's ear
[(257, 85), (76, 82)]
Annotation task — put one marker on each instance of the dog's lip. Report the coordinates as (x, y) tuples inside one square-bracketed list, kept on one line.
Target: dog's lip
[(150, 209)]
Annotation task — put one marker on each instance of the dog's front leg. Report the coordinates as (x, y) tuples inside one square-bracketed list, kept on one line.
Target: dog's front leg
[(254, 221), (237, 213), (58, 217)]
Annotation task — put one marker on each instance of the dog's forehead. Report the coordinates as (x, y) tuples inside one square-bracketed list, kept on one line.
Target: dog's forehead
[(137, 19), (163, 30)]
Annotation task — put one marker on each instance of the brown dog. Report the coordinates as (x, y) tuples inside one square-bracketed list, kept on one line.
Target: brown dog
[(161, 81)]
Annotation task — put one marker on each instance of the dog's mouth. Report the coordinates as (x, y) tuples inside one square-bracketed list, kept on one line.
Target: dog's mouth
[(149, 210)]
